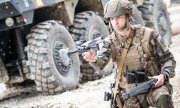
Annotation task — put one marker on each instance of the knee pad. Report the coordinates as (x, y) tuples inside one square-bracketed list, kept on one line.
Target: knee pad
[(131, 103), (164, 101)]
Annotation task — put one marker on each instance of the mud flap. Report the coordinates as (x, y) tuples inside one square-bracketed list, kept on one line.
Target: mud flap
[(4, 77)]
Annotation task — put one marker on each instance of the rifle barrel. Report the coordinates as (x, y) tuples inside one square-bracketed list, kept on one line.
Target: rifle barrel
[(139, 89)]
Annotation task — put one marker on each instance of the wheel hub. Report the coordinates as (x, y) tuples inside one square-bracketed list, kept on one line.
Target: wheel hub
[(95, 34), (63, 53), (61, 58)]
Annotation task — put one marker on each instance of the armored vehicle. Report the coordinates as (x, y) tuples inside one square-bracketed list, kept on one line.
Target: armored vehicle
[(36, 37)]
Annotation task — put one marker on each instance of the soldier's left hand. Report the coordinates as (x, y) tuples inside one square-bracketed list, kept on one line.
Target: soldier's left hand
[(160, 79)]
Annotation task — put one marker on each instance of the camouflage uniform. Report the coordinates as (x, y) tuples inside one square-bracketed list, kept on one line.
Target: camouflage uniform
[(148, 53)]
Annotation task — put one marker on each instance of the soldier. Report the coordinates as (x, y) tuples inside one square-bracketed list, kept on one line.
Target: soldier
[(147, 57)]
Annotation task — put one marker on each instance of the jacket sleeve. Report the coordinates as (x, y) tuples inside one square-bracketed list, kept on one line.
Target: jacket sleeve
[(103, 55), (163, 55)]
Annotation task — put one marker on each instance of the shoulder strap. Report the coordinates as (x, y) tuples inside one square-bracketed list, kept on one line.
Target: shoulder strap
[(113, 47), (120, 68)]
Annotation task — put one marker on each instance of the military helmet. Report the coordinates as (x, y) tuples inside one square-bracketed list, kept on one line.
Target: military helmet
[(117, 8)]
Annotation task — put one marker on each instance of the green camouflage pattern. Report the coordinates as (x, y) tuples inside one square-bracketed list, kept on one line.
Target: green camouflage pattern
[(117, 8), (148, 51)]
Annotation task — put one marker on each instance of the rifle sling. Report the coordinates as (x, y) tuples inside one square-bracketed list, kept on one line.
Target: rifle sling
[(120, 68)]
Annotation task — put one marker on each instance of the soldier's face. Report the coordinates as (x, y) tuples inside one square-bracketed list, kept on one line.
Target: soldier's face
[(118, 22)]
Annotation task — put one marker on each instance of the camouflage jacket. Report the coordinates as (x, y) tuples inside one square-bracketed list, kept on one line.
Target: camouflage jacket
[(148, 51)]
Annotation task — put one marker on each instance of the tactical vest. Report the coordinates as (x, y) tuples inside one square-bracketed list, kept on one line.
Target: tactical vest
[(140, 62)]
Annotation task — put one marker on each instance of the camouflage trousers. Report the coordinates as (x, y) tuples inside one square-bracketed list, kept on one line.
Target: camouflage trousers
[(158, 97)]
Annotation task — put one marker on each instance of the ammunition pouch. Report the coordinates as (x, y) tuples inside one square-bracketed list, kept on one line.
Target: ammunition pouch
[(135, 77)]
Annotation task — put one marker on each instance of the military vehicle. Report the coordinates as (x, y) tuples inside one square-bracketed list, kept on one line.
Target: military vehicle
[(36, 37)]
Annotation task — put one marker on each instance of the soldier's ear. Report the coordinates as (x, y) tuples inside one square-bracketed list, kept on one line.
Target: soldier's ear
[(130, 18)]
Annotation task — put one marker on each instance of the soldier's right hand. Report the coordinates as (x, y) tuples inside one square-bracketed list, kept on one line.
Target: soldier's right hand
[(90, 56)]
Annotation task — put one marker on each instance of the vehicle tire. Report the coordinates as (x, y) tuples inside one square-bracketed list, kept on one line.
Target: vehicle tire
[(52, 69), (156, 16), (87, 26), (137, 18)]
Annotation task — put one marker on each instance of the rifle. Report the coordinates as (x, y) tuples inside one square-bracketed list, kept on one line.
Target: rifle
[(133, 91), (83, 45), (91, 44), (138, 89)]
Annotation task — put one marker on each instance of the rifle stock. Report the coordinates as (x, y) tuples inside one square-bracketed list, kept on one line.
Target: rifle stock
[(115, 99)]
